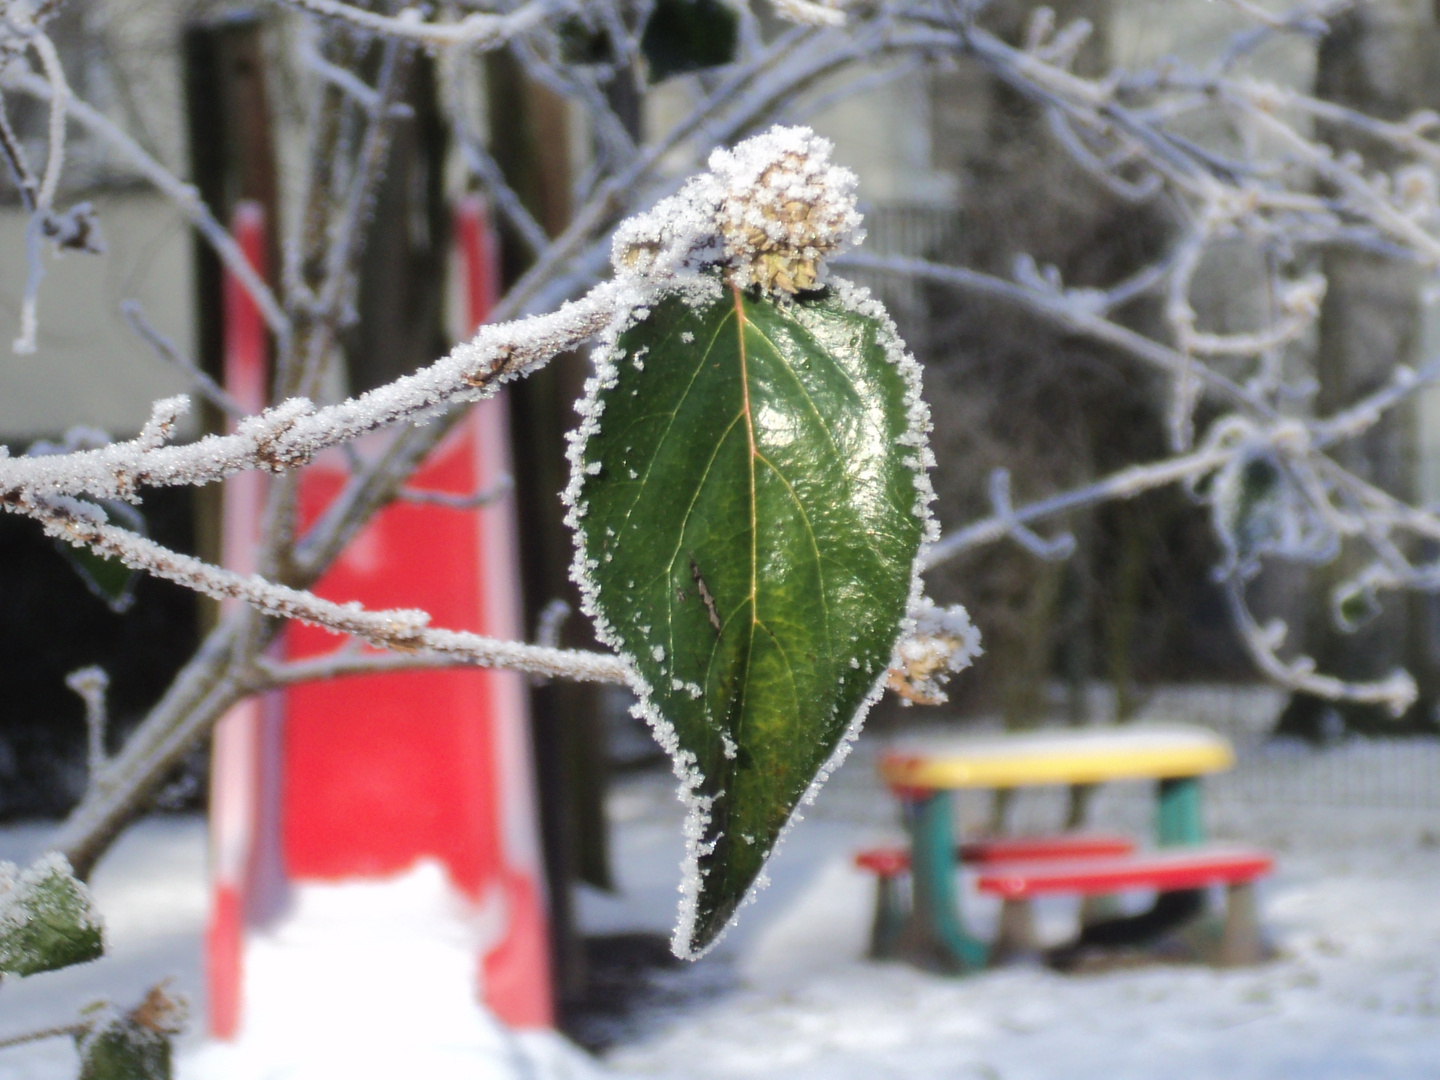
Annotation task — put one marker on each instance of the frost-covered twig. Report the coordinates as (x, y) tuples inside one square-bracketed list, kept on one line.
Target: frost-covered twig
[(20, 19), (400, 630), (90, 683), (345, 662), (365, 95), (1397, 692), (68, 1030), (500, 193), (165, 349), (551, 622), (454, 501), (1123, 484), (1072, 310), (478, 30), (17, 161), (292, 433)]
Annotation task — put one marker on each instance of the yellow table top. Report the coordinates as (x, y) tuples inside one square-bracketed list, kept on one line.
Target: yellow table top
[(1056, 756)]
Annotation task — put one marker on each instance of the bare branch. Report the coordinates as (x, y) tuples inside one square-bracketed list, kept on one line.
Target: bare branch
[(165, 349), (453, 501), (91, 683), (292, 433), (478, 30), (402, 630)]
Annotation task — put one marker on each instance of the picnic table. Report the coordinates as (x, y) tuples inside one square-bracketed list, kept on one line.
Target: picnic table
[(924, 771)]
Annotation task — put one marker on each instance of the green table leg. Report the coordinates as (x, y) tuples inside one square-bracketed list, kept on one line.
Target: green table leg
[(1180, 818), (936, 936)]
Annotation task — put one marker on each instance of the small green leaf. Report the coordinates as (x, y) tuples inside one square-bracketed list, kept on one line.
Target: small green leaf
[(1355, 605), (110, 580), (120, 1048), (682, 36), (47, 919), (750, 501)]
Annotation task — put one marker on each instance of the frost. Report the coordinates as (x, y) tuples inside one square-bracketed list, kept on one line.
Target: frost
[(659, 653), (687, 337), (944, 641), (47, 918), (593, 469), (784, 207), (769, 211)]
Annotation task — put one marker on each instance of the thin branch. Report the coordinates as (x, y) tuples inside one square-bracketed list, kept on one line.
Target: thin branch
[(1123, 484), (483, 167), (292, 433), (165, 349), (345, 662), (401, 630), (1397, 692), (479, 30), (17, 161), (60, 99), (453, 501), (91, 683), (1069, 310), (363, 94), (69, 1030)]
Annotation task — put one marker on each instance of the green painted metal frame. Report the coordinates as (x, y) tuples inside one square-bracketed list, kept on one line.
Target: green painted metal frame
[(936, 936), (1179, 812)]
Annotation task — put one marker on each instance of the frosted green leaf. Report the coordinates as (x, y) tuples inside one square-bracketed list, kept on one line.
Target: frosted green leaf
[(120, 1048), (47, 919), (750, 500)]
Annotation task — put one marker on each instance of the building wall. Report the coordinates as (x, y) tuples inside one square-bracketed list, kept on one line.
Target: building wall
[(91, 368)]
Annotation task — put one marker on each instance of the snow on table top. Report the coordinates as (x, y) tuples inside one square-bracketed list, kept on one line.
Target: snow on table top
[(1056, 756)]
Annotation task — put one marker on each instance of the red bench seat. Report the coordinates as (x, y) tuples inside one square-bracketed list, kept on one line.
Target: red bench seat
[(893, 861), (1167, 871), (1011, 849), (888, 864)]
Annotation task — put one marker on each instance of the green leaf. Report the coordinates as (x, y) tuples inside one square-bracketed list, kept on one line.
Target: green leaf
[(47, 919), (750, 499), (1355, 604), (123, 1049), (682, 36), (110, 580)]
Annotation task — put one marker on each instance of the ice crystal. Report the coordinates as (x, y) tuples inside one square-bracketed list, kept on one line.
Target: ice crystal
[(944, 641)]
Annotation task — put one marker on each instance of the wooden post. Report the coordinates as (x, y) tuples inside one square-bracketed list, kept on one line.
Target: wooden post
[(529, 139)]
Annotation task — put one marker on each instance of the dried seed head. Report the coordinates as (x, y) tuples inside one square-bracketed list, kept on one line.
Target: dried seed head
[(783, 209), (945, 641), (768, 212)]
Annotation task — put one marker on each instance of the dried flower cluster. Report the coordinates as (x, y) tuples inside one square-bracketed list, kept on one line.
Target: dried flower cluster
[(770, 212), (945, 641), (784, 208)]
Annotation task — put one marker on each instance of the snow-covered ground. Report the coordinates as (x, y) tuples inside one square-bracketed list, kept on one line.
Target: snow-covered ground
[(1354, 909), (1355, 993)]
